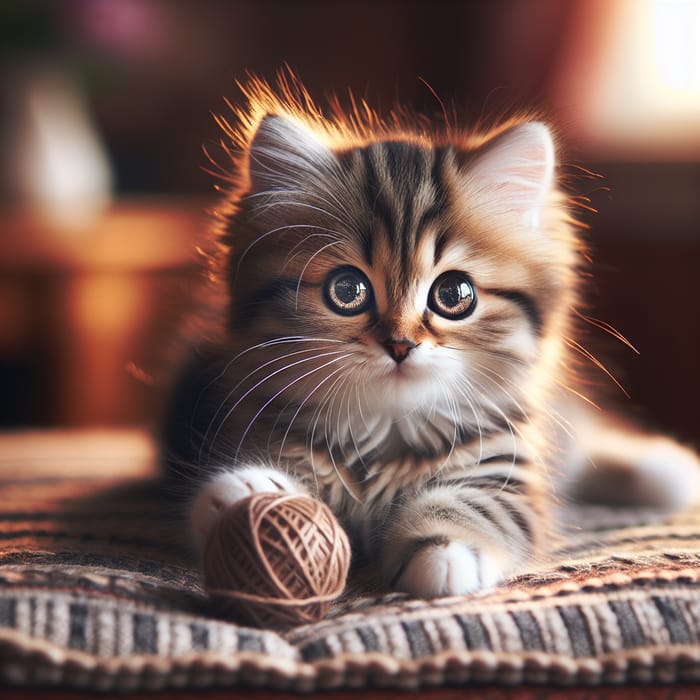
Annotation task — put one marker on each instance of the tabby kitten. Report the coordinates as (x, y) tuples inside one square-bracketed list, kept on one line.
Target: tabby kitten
[(395, 342)]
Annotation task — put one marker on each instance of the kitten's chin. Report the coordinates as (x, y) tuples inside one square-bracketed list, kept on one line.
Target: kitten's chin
[(412, 384)]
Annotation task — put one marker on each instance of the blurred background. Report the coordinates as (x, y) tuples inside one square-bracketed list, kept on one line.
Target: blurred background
[(106, 105)]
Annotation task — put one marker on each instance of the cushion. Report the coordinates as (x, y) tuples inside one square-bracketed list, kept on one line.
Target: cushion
[(98, 592)]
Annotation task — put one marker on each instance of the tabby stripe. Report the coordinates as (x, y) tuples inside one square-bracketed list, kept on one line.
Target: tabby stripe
[(376, 198), (517, 517), (526, 304), (508, 459), (430, 215), (502, 482), (491, 482), (487, 515), (440, 243), (437, 175)]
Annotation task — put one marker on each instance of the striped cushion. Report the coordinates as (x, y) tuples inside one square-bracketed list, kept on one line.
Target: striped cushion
[(96, 591)]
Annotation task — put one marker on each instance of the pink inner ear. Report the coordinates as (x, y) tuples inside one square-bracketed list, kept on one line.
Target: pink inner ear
[(517, 167)]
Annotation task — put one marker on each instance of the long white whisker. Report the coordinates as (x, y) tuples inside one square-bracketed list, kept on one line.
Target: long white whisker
[(465, 389), (308, 262), (302, 404), (248, 376), (312, 439), (262, 237), (350, 422), (293, 252), (454, 414), (333, 393), (282, 390), (266, 378), (306, 398), (305, 205)]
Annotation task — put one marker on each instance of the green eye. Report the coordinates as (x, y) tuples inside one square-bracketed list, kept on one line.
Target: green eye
[(347, 291), (452, 295)]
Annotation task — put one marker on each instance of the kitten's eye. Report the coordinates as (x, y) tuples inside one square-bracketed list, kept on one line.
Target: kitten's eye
[(347, 291), (452, 295)]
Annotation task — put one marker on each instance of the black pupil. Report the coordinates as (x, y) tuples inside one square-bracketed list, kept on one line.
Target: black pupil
[(348, 289), (452, 292)]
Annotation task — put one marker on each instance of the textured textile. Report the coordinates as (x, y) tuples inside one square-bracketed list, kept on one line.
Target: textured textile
[(97, 591)]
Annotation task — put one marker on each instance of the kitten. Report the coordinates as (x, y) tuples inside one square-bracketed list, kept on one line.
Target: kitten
[(395, 342)]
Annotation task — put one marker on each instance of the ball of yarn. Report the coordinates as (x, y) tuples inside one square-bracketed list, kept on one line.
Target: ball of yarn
[(273, 559)]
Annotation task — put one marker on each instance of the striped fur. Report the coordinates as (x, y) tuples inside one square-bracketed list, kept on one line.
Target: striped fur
[(432, 438)]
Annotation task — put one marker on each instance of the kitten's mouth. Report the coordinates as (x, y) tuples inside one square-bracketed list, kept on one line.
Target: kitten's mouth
[(405, 371)]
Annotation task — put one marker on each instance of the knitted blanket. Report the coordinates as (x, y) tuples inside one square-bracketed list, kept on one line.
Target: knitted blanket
[(97, 592)]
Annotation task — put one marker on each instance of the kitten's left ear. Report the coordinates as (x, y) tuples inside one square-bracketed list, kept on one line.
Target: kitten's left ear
[(516, 168), (283, 153)]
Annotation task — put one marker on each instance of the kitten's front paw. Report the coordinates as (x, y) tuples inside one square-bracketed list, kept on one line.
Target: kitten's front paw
[(448, 569), (227, 487)]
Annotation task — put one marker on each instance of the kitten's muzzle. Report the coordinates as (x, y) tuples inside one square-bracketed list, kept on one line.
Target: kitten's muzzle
[(399, 349)]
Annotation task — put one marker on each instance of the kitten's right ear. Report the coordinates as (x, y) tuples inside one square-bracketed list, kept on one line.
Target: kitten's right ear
[(283, 154)]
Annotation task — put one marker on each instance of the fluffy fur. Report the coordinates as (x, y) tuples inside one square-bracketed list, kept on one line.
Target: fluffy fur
[(394, 341)]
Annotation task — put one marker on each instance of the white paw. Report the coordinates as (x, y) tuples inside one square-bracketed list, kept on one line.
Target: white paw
[(227, 487), (668, 475), (448, 569)]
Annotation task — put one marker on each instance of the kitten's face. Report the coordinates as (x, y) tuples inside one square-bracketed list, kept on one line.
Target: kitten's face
[(411, 290)]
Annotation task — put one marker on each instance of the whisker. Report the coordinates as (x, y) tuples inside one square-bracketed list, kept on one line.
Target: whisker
[(452, 408), (263, 236), (308, 262), (266, 378), (244, 379), (333, 393), (301, 406), (293, 252), (588, 355), (295, 203), (605, 326), (312, 440), (281, 391)]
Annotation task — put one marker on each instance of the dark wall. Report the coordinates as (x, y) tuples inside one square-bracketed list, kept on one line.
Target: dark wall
[(153, 71)]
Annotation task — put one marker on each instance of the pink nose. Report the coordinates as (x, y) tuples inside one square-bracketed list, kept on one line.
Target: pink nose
[(399, 349)]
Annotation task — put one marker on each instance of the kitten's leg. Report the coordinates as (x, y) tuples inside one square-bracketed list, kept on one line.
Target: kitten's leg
[(463, 534), (229, 485), (610, 462)]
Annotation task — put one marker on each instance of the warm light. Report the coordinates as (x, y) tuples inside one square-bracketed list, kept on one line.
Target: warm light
[(631, 77), (676, 26)]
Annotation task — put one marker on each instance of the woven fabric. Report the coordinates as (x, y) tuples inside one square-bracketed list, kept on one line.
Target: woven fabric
[(96, 591)]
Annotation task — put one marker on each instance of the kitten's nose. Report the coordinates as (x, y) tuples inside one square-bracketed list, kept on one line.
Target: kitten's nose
[(399, 349)]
